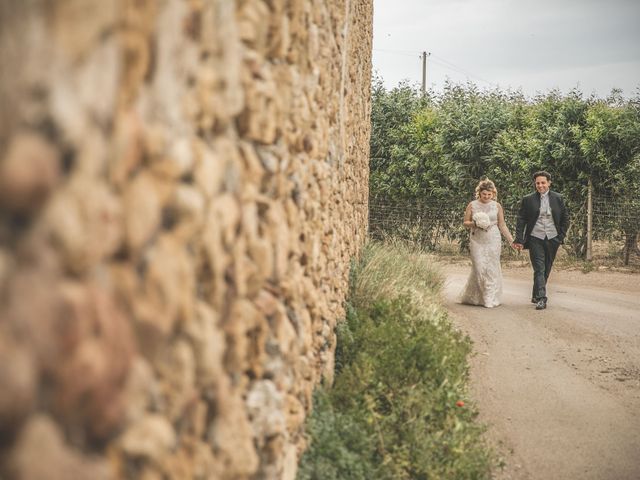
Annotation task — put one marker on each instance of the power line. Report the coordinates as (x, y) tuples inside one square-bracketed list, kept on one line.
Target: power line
[(438, 60), (465, 73), (452, 66)]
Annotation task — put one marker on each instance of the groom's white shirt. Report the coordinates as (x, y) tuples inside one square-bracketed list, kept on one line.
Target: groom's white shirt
[(544, 227)]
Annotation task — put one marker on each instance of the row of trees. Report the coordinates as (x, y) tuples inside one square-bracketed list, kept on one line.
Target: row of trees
[(434, 148)]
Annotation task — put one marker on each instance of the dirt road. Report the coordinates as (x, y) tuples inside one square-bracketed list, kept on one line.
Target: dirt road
[(559, 388)]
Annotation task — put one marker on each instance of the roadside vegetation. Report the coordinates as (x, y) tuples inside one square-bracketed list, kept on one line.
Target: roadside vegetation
[(399, 406)]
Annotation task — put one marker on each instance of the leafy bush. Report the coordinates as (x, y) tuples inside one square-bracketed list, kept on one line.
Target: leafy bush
[(401, 369), (341, 448)]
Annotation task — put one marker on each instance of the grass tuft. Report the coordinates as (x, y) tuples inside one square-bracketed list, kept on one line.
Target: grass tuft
[(392, 270)]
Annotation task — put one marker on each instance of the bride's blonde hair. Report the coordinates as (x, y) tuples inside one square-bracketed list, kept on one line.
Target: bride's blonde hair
[(487, 185)]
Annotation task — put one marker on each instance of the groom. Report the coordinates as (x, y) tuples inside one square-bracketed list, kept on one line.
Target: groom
[(541, 227)]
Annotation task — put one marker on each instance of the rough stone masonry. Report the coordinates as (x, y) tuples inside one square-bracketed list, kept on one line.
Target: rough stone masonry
[(183, 184)]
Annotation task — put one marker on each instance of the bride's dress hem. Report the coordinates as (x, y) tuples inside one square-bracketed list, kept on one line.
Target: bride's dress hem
[(480, 304)]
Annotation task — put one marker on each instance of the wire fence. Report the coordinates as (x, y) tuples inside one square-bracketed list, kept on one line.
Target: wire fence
[(615, 224)]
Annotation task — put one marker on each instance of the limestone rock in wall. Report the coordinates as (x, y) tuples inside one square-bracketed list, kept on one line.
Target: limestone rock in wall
[(183, 184)]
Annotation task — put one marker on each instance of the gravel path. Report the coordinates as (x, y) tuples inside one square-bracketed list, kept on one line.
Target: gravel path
[(559, 388)]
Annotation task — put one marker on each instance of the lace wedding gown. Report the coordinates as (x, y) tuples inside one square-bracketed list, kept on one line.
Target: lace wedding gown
[(484, 285)]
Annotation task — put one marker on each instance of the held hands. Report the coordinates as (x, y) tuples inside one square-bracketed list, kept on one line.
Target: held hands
[(517, 246)]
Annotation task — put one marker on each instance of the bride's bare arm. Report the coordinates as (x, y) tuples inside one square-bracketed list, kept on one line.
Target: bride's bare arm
[(468, 222), (503, 226)]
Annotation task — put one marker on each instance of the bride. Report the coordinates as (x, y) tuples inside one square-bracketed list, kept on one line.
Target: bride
[(485, 218)]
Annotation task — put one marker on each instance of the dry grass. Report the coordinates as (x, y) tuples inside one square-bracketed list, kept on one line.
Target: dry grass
[(395, 269)]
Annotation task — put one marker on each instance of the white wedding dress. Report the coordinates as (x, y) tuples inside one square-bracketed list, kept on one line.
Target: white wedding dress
[(484, 285)]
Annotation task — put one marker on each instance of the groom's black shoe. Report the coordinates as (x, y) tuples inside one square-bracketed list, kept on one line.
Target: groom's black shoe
[(541, 304)]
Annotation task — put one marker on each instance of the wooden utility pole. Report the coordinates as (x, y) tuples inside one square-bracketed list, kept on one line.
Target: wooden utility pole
[(424, 72), (589, 222)]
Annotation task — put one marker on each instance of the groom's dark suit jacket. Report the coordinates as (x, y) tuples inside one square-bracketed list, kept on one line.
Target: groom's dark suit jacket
[(530, 210)]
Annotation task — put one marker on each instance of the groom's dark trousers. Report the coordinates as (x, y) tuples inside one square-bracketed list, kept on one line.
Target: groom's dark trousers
[(542, 254)]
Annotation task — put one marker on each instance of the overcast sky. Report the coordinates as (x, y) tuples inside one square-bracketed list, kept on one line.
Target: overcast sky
[(533, 45)]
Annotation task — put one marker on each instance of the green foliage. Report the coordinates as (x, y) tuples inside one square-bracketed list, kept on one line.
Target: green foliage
[(389, 110), (401, 369), (341, 447), (435, 149)]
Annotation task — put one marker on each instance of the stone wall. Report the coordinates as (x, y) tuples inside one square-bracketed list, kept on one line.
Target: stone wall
[(183, 184)]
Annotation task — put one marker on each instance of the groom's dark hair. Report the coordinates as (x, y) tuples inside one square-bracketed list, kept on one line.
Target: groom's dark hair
[(542, 173)]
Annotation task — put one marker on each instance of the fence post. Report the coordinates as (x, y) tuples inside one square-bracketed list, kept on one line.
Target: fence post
[(589, 222)]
